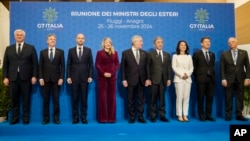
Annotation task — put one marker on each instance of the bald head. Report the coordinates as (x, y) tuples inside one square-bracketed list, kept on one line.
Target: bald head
[(80, 39)]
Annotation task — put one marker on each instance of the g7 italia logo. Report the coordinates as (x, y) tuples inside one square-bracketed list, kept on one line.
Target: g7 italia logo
[(50, 15), (201, 16)]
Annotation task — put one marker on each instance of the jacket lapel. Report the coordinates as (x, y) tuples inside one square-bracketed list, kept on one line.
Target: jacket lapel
[(46, 54), (75, 55), (133, 56), (230, 56)]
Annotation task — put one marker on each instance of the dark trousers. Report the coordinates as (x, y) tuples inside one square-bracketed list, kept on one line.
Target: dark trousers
[(106, 100), (136, 98), (205, 97), (79, 97), (48, 89), (157, 93), (238, 88), (20, 90)]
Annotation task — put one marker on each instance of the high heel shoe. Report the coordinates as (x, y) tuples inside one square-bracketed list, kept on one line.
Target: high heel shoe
[(185, 119), (180, 118)]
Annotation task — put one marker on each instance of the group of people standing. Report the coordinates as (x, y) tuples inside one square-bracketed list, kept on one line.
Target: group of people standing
[(139, 69)]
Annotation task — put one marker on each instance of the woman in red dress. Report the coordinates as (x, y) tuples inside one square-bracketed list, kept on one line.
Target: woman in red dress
[(107, 64)]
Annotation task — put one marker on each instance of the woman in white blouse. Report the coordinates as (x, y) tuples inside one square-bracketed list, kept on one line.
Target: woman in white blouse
[(182, 65)]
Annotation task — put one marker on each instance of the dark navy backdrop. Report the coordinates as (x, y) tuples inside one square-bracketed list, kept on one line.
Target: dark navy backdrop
[(120, 21)]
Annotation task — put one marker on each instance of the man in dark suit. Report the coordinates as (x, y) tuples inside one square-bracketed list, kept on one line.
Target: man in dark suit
[(51, 74), (235, 74), (20, 68), (134, 77), (79, 75), (204, 73), (159, 70)]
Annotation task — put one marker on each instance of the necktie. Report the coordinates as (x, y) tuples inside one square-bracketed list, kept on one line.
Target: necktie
[(160, 57), (51, 55), (235, 56), (137, 57), (207, 56), (80, 53), (19, 50)]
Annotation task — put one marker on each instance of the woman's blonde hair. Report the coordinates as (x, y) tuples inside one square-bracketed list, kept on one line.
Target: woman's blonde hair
[(111, 50)]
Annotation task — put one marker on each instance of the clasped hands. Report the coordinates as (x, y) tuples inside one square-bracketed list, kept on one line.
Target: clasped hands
[(185, 76)]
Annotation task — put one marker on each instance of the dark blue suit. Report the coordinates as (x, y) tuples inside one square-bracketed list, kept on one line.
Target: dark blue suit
[(79, 71), (51, 72)]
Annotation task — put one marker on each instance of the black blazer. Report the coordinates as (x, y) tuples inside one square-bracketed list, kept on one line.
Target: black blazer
[(80, 70), (27, 63), (131, 71), (201, 66), (51, 70), (158, 70), (232, 72)]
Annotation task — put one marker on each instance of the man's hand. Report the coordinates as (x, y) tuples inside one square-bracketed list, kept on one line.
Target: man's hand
[(125, 83), (6, 82), (224, 83), (41, 81), (69, 80), (60, 82), (90, 80), (33, 80)]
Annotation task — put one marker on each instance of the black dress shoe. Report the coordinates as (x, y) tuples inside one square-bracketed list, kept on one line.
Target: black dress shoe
[(202, 119), (84, 121), (56, 121), (26, 122), (164, 119), (228, 118), (14, 121), (241, 118), (45, 121), (75, 121), (141, 119), (131, 120), (153, 120), (210, 118)]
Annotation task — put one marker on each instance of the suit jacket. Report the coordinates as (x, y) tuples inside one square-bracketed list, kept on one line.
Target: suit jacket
[(51, 70), (231, 72), (131, 71), (80, 70), (107, 64), (158, 70), (182, 64), (27, 63), (201, 66)]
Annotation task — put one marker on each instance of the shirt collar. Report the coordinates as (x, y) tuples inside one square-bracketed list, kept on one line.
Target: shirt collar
[(204, 50), (134, 49), (158, 51), (79, 46), (53, 48), (234, 50), (20, 43)]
